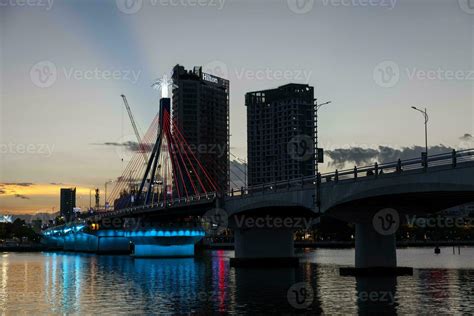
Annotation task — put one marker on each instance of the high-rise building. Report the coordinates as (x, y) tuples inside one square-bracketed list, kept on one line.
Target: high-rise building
[(200, 105), (280, 134), (68, 203)]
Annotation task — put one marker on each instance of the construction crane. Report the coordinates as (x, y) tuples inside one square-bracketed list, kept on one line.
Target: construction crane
[(135, 129)]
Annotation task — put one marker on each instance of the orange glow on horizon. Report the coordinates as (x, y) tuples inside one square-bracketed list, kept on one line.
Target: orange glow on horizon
[(39, 189), (17, 198)]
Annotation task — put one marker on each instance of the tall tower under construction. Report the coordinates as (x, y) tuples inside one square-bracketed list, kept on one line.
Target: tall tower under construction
[(200, 105), (275, 118)]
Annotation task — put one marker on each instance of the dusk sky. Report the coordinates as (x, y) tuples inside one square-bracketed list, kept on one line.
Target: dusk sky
[(64, 65)]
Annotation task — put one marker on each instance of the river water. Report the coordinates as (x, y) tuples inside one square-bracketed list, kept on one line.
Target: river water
[(67, 283)]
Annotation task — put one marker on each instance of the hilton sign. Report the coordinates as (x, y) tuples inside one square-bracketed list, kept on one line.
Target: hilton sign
[(210, 78)]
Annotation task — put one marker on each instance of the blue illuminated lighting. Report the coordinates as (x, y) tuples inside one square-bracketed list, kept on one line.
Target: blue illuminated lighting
[(79, 228), (153, 232), (164, 251), (165, 233)]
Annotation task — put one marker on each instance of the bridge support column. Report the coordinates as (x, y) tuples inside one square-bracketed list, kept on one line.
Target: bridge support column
[(373, 249), (375, 254), (263, 247)]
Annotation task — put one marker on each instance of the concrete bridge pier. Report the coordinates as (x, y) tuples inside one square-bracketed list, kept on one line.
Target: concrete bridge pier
[(375, 253), (265, 247), (372, 249)]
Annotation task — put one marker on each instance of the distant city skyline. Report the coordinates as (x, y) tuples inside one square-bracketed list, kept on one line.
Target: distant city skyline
[(64, 66)]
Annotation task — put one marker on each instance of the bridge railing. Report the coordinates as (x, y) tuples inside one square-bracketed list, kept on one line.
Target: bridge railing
[(372, 171), (162, 204), (275, 186), (421, 164)]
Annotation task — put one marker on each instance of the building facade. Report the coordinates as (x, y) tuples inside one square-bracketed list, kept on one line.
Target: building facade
[(200, 106), (280, 134), (68, 203)]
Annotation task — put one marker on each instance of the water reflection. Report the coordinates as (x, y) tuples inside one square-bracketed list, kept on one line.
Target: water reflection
[(376, 295), (62, 283)]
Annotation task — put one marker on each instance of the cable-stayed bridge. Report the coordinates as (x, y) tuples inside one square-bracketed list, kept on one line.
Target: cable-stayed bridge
[(162, 214)]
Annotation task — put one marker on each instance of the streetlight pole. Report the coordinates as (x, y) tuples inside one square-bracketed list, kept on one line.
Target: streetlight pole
[(425, 115), (105, 184), (316, 108), (316, 145)]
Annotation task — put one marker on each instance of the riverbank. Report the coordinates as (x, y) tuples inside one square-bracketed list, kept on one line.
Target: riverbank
[(298, 245), (23, 248), (351, 244)]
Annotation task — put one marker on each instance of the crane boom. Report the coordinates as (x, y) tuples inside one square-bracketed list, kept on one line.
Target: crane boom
[(135, 129)]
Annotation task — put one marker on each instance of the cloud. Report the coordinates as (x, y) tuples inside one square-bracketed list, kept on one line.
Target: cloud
[(129, 145), (23, 197), (2, 191), (365, 156), (466, 137), (357, 155), (20, 184)]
